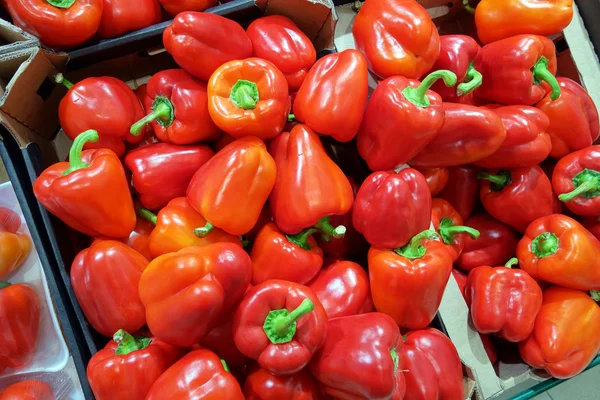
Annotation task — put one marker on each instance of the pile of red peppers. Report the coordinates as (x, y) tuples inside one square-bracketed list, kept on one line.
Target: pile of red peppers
[(234, 252)]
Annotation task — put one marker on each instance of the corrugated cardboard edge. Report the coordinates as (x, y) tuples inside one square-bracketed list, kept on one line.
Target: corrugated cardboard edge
[(14, 37)]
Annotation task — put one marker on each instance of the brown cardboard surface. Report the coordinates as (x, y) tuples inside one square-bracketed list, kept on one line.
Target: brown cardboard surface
[(13, 38)]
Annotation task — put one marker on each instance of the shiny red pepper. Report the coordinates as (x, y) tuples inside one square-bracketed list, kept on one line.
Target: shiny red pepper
[(260, 384), (163, 171), (139, 238), (177, 107), (449, 225), (514, 69), (174, 7), (122, 16), (401, 105), (28, 389), (220, 340), (391, 208), (462, 189), (436, 178)]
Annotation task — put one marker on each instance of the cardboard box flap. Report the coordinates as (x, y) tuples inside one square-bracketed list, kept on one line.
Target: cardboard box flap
[(13, 38)]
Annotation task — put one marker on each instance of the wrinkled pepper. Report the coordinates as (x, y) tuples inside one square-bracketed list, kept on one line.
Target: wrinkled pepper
[(260, 384), (122, 16), (14, 246), (449, 225), (281, 325), (391, 208), (89, 193), (436, 178), (29, 389), (462, 189)]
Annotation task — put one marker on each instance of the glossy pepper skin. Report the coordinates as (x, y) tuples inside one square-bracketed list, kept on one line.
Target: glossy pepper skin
[(573, 118), (518, 196), (566, 336), (139, 238), (20, 313), (277, 39), (397, 37), (249, 98), (343, 289), (58, 24), (449, 225), (527, 142), (179, 226), (105, 279), (14, 246), (436, 178), (309, 186), (374, 370), (462, 189), (262, 385), (526, 62), (188, 292), (89, 193), (559, 250), (408, 283), (29, 389), (402, 117), (496, 244), (576, 180), (122, 16), (498, 19), (456, 54), (338, 83), (281, 325), (201, 42), (105, 104), (177, 110), (294, 258), (128, 366), (174, 7), (503, 301), (231, 189), (433, 368), (391, 208), (469, 134), (220, 341), (199, 375)]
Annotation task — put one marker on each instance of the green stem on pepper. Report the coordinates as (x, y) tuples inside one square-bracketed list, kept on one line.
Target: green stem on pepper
[(75, 161), (280, 325), (499, 181), (541, 73), (447, 230), (244, 94), (301, 239), (511, 262), (128, 343), (328, 230), (544, 245), (162, 112), (147, 215), (473, 80), (205, 230), (418, 95), (61, 80), (586, 184), (414, 249)]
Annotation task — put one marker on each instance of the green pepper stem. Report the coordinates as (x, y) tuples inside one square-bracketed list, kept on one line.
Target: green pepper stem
[(147, 215), (301, 239), (161, 110), (595, 295), (473, 80), (394, 355), (61, 80), (205, 230), (541, 73), (585, 187), (75, 161), (280, 325), (244, 94), (498, 181), (291, 118), (511, 262), (128, 343), (225, 366), (64, 4), (468, 7), (324, 225), (414, 249), (544, 245), (418, 95), (4, 284), (448, 230)]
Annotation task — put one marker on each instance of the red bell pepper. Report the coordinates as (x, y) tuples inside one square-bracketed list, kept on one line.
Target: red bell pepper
[(526, 143), (89, 104), (231, 189), (148, 133), (280, 324), (187, 293), (397, 37), (179, 226), (566, 336), (343, 289), (401, 105), (407, 283), (436, 178), (128, 366), (122, 16), (469, 134), (202, 42), (514, 68), (309, 186), (518, 196), (249, 98), (220, 340), (462, 189), (432, 367), (503, 301), (199, 375), (20, 316), (374, 367), (174, 7), (163, 171), (177, 109), (29, 389), (338, 83), (592, 224), (496, 244), (263, 219), (57, 23), (14, 246), (456, 54), (573, 118), (89, 193), (391, 208), (576, 180), (277, 39), (557, 249), (294, 258), (261, 385), (449, 225), (461, 281), (105, 279)]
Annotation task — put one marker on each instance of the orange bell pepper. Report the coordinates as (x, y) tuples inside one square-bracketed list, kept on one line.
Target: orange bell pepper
[(566, 335), (231, 189), (14, 246), (249, 98)]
